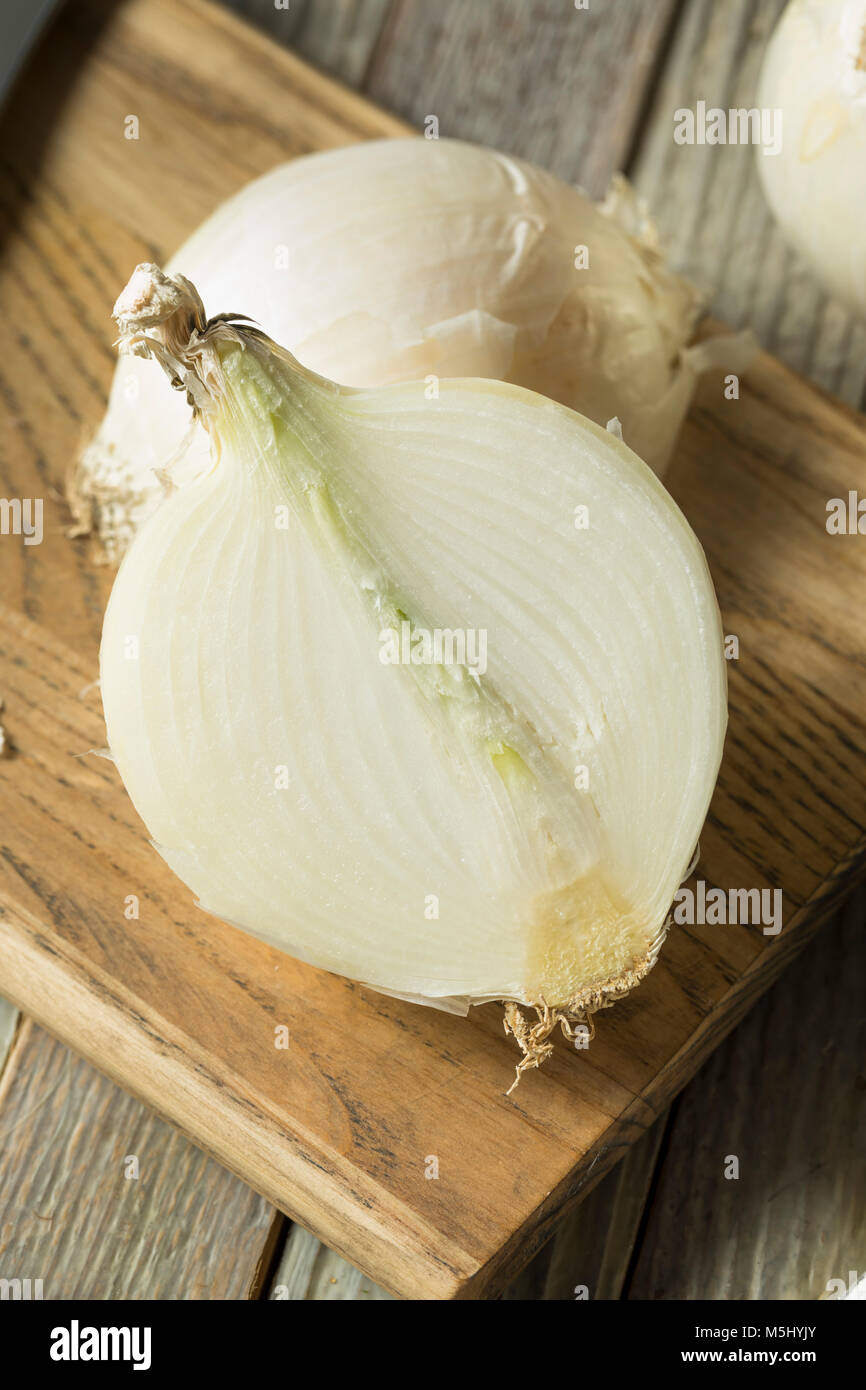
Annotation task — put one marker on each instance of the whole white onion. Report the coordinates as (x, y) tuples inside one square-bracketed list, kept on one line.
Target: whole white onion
[(814, 71), (398, 259)]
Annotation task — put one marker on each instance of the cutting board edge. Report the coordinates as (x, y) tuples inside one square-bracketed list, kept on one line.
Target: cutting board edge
[(677, 1072), (465, 1277)]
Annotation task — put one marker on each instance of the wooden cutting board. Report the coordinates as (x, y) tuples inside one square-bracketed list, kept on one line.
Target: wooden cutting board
[(339, 1129)]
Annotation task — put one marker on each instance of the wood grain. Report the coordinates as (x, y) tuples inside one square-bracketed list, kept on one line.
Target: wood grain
[(180, 1008), (789, 1103), (590, 1252), (9, 1021), (551, 83), (100, 1199), (338, 36), (714, 220), (309, 1272)]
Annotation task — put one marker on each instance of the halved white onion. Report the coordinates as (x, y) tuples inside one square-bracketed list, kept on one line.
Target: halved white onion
[(447, 834)]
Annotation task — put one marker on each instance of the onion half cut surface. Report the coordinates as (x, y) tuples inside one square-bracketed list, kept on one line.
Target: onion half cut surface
[(505, 815)]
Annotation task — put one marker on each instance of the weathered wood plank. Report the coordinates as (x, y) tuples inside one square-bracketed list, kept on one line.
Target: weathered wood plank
[(785, 1098), (715, 223), (9, 1019), (338, 35), (591, 1253), (589, 1256), (101, 1199), (309, 1271), (555, 84)]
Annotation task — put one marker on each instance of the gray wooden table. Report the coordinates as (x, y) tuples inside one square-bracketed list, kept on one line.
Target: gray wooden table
[(114, 1203)]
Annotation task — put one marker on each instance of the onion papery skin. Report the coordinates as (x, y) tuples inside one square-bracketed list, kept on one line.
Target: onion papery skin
[(397, 259)]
